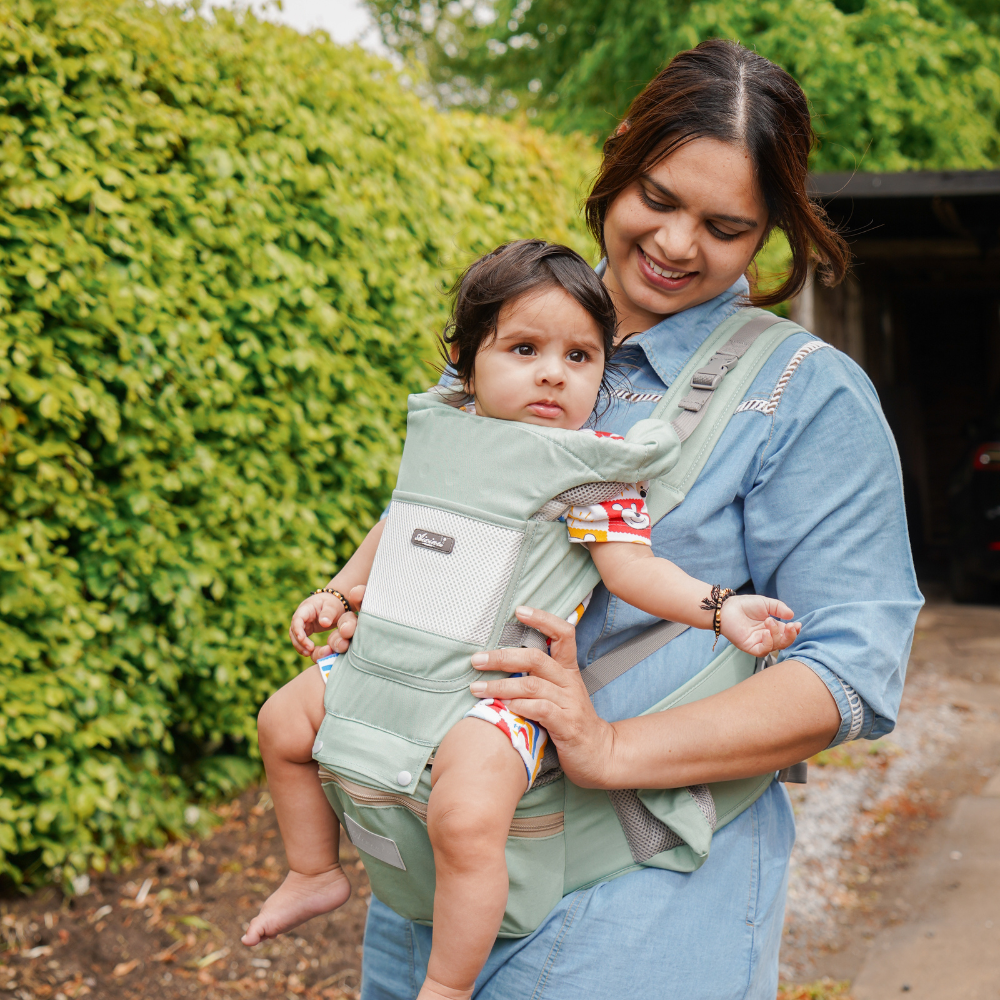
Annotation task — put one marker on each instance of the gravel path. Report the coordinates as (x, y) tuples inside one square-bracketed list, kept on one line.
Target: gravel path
[(870, 809)]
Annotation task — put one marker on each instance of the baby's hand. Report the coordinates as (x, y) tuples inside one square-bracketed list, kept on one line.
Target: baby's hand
[(751, 624)]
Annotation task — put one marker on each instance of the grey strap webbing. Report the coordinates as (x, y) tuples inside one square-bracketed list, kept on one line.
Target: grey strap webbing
[(623, 658), (706, 379)]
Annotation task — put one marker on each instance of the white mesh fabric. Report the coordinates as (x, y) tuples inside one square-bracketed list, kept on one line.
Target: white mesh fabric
[(455, 594), (583, 496), (647, 835), (589, 493), (702, 796), (551, 510)]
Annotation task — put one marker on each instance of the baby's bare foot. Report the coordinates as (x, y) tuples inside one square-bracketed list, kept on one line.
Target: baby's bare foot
[(435, 991), (298, 899)]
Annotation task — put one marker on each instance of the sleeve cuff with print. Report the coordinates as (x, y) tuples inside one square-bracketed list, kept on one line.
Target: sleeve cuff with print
[(623, 518)]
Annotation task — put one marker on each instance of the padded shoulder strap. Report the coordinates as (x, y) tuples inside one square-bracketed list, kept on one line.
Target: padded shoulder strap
[(705, 395), (744, 342)]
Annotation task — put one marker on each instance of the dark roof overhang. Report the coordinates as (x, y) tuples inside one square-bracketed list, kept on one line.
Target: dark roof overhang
[(923, 213)]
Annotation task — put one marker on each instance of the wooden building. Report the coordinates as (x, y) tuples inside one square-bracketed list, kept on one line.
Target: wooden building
[(921, 314)]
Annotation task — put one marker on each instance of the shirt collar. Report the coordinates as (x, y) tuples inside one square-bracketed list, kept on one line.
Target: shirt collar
[(669, 345)]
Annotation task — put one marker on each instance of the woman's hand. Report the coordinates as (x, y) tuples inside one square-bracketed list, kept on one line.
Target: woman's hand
[(554, 695), (750, 623), (320, 613)]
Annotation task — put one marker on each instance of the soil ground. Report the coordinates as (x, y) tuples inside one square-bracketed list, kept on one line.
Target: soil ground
[(878, 828), (171, 926)]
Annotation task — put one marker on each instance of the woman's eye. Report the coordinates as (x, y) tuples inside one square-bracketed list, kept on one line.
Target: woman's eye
[(578, 357), (524, 350), (656, 206), (720, 234)]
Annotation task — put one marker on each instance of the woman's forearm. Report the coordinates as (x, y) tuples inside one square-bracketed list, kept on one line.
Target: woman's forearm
[(776, 718)]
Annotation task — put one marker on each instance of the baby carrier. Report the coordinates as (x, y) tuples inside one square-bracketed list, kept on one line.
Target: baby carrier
[(469, 539)]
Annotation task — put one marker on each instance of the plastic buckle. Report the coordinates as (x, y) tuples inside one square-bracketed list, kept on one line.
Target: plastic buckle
[(714, 372)]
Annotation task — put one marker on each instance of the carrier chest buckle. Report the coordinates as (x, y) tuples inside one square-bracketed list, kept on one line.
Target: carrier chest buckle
[(715, 371)]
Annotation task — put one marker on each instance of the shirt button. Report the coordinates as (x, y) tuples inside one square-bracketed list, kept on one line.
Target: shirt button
[(403, 778)]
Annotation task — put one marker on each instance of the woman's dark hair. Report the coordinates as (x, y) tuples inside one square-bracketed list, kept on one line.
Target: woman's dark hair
[(512, 270), (721, 90)]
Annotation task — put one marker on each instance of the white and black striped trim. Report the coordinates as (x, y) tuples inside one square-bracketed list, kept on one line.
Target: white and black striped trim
[(857, 711), (637, 397), (768, 406)]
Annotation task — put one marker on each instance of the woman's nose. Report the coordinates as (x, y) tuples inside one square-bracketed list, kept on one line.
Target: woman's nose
[(676, 238)]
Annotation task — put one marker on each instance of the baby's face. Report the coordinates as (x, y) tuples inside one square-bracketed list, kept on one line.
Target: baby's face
[(545, 365)]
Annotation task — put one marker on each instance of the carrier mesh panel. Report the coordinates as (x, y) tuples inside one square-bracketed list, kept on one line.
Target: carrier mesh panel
[(582, 496), (647, 835), (455, 594), (551, 510), (702, 796)]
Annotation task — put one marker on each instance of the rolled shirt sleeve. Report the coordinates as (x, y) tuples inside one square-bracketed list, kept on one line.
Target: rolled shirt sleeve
[(825, 531)]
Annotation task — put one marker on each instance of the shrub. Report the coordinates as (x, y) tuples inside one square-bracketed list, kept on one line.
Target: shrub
[(224, 252)]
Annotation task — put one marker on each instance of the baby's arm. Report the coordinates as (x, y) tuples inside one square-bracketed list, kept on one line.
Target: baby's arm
[(659, 587), (320, 612)]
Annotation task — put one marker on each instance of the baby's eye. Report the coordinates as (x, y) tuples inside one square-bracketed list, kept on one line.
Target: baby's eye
[(578, 356), (524, 350)]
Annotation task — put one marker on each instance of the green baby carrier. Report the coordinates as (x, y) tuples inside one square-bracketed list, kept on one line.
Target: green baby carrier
[(471, 536)]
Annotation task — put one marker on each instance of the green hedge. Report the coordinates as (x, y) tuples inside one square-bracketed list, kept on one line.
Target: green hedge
[(224, 252)]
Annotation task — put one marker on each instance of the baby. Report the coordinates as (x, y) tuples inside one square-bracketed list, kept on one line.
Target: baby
[(532, 332)]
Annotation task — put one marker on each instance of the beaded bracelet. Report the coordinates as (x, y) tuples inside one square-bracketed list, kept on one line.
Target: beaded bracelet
[(714, 603), (336, 593)]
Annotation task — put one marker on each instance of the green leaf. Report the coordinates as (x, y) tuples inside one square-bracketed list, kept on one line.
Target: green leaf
[(236, 242)]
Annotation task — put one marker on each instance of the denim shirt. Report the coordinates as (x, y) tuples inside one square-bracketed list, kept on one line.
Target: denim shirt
[(803, 497)]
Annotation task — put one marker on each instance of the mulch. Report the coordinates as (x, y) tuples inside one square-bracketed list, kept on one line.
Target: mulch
[(170, 926)]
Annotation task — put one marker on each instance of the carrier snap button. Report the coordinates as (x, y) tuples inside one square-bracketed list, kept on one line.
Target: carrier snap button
[(317, 746), (403, 778)]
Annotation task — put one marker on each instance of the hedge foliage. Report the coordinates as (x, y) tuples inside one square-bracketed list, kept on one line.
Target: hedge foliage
[(224, 248), (894, 84)]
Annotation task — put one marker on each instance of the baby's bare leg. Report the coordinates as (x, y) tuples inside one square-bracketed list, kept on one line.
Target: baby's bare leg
[(315, 884), (478, 779)]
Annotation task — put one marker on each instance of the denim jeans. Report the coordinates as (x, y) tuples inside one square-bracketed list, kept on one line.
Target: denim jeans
[(712, 934)]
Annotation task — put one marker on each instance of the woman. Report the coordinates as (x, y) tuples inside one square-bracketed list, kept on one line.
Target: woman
[(801, 497)]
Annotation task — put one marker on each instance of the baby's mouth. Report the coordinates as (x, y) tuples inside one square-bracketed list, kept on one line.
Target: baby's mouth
[(545, 408)]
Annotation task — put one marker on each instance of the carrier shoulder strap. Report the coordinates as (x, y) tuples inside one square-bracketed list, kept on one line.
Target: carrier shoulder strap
[(704, 396), (745, 340)]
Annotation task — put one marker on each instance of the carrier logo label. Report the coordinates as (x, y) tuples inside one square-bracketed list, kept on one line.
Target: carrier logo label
[(432, 540)]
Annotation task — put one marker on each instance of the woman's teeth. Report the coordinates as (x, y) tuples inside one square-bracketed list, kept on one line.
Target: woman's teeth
[(663, 272)]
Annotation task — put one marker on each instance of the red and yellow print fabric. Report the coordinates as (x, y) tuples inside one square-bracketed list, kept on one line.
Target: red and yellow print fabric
[(623, 518)]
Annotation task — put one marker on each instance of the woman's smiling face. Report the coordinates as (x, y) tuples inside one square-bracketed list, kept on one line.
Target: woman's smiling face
[(682, 232)]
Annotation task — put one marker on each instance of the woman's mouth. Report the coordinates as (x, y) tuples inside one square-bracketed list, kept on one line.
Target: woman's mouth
[(661, 276), (546, 408)]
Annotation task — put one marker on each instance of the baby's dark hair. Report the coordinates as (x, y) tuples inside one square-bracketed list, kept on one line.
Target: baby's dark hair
[(508, 272)]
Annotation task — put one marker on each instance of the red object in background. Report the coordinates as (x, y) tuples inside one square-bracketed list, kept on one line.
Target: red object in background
[(994, 546), (987, 457)]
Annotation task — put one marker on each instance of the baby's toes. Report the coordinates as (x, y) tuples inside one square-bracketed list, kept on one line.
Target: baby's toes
[(254, 934)]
